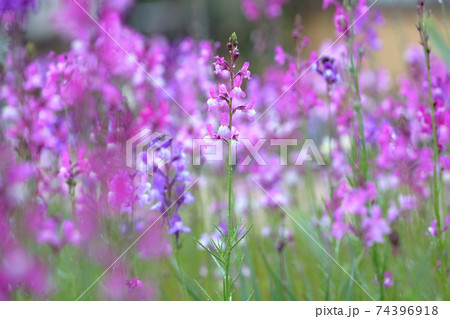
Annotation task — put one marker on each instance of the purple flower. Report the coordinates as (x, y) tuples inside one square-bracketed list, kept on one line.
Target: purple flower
[(19, 6), (216, 237), (176, 226), (169, 184), (326, 67)]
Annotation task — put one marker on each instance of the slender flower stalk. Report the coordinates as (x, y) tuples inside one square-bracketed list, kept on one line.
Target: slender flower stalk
[(356, 87), (182, 275), (234, 54), (227, 287), (363, 155), (71, 180), (422, 27), (280, 246), (224, 102)]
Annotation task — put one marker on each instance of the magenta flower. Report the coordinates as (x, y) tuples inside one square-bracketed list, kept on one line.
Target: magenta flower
[(154, 243), (387, 279), (339, 229), (280, 56), (254, 9), (220, 65), (70, 233), (117, 286), (133, 284), (49, 233), (341, 19), (375, 227), (432, 229), (121, 191)]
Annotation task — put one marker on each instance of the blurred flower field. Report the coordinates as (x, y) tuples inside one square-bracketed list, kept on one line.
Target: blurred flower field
[(138, 166)]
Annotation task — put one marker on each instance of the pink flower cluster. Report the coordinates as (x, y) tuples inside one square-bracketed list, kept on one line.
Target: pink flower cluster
[(227, 100), (255, 9), (65, 120)]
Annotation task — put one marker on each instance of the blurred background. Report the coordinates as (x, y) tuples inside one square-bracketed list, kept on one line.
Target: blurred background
[(216, 19)]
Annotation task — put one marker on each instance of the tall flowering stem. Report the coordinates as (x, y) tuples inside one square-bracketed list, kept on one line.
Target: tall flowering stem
[(225, 102), (348, 26), (234, 54), (422, 27), (358, 103)]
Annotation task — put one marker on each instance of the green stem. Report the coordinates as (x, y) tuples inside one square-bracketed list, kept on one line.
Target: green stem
[(282, 256), (230, 179), (180, 270), (227, 282), (379, 271), (330, 141), (436, 176), (424, 37), (358, 104), (330, 127), (71, 156), (283, 273), (227, 295)]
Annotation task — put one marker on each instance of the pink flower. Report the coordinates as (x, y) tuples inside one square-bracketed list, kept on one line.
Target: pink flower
[(280, 56), (134, 283), (339, 229), (121, 192), (253, 9), (70, 232), (374, 227), (117, 286), (432, 229), (154, 243), (224, 130), (220, 65), (387, 279)]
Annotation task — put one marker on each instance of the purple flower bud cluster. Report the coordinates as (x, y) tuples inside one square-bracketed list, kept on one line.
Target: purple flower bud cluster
[(326, 67), (169, 190), (17, 6)]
